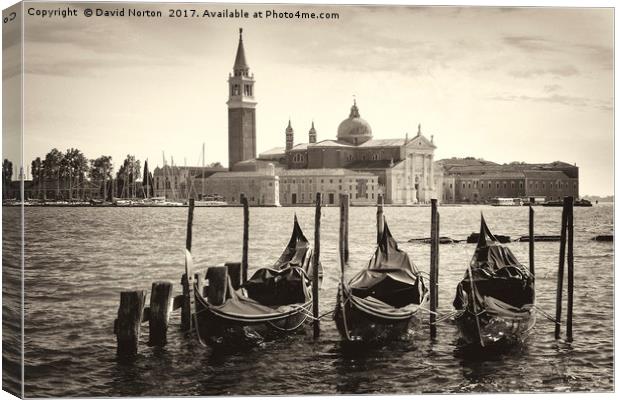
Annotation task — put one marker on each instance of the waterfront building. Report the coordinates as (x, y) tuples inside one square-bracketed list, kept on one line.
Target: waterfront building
[(261, 187), (299, 186), (180, 183), (468, 180)]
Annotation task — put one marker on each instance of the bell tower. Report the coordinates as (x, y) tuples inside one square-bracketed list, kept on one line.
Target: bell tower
[(289, 133), (241, 110)]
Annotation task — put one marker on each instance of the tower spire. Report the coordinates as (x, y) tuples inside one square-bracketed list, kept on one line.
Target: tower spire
[(240, 62), (312, 134), (289, 136)]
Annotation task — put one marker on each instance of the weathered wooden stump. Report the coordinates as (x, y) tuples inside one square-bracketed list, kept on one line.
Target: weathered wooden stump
[(160, 308), (216, 291), (234, 272), (128, 322)]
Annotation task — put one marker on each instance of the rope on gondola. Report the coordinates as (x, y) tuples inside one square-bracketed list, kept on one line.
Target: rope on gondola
[(445, 317), (545, 314)]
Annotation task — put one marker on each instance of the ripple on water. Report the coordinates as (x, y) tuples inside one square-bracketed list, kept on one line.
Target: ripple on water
[(78, 261)]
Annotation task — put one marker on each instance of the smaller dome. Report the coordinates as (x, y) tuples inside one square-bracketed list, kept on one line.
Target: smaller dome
[(354, 129)]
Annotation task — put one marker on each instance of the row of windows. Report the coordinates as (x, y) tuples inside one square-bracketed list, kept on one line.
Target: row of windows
[(322, 181), (311, 196), (552, 185)]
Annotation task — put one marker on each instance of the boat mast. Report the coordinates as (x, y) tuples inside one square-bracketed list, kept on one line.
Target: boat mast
[(147, 181), (202, 180), (163, 156)]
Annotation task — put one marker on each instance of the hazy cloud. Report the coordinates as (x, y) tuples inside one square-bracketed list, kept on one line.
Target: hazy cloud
[(572, 101), (566, 70)]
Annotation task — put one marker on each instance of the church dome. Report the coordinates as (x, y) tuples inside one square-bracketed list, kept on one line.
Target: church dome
[(354, 129)]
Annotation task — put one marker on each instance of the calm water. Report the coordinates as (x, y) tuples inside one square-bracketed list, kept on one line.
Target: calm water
[(78, 260)]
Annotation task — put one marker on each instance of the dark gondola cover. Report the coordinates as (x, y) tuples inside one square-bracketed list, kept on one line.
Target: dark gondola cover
[(298, 252), (496, 295), (390, 277), (276, 299), (381, 301)]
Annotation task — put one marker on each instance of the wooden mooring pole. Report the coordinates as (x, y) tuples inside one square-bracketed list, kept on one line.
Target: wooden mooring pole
[(127, 325), (316, 260), (569, 284), (159, 313), (380, 218), (246, 235), (344, 205), (186, 317), (346, 229), (560, 277), (433, 267), (531, 241)]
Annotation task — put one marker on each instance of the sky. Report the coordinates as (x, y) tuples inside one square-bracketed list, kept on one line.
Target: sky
[(503, 84)]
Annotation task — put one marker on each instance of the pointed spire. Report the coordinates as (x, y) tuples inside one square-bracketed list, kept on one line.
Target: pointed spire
[(312, 134), (419, 129), (289, 133), (240, 62)]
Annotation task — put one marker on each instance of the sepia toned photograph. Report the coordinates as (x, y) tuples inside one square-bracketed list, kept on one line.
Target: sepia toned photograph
[(220, 199)]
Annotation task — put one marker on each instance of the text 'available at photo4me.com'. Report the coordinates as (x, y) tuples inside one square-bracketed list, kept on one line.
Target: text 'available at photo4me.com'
[(180, 11)]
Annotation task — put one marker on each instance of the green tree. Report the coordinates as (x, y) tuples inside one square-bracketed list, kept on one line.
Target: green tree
[(7, 177), (147, 180), (51, 170), (126, 177), (36, 167), (74, 166), (100, 173)]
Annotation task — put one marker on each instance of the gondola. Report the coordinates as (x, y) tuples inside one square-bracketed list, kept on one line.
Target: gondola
[(273, 301), (382, 301), (495, 299)]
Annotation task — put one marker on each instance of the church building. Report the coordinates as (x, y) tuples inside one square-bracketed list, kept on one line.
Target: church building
[(402, 168), (354, 162)]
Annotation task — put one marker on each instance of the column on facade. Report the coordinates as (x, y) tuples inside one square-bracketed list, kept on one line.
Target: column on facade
[(432, 167), (412, 189)]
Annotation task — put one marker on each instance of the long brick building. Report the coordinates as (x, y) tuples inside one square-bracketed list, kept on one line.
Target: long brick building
[(469, 180)]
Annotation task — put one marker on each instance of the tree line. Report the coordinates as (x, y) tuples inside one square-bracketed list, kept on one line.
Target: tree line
[(71, 175)]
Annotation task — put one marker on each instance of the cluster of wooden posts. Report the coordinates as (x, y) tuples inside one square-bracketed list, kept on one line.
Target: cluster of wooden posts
[(132, 311)]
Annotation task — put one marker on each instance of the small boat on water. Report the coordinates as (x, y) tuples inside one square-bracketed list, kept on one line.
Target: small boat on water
[(382, 301), (275, 300), (560, 203), (495, 299)]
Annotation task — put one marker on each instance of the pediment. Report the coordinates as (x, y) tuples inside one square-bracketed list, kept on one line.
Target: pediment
[(421, 142)]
